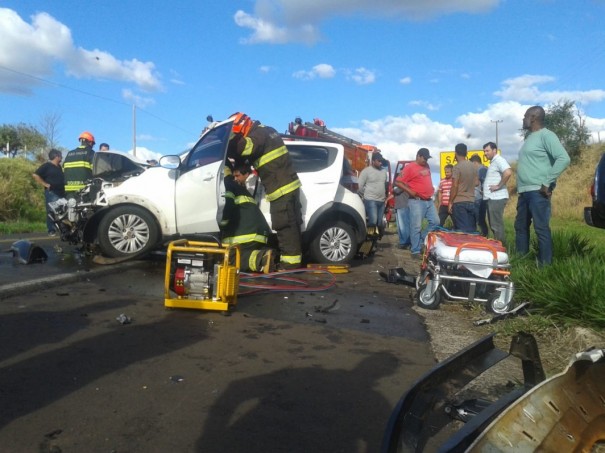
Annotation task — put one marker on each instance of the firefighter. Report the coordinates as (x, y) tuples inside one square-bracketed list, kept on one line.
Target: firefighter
[(263, 147), (244, 224), (77, 165)]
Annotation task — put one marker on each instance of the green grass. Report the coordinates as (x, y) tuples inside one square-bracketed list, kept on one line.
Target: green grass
[(14, 227)]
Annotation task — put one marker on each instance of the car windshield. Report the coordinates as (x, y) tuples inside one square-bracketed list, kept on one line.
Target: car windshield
[(211, 147)]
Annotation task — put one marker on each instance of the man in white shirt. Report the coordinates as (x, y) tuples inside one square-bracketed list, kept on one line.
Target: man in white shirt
[(495, 190)]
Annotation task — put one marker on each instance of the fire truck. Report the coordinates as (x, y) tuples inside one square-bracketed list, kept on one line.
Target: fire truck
[(358, 156)]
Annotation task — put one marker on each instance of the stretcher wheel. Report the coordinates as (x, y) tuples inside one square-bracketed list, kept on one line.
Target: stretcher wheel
[(497, 303), (428, 296)]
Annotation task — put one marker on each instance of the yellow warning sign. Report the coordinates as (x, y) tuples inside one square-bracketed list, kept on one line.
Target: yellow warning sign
[(448, 158)]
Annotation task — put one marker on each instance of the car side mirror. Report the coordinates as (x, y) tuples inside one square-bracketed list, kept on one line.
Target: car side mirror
[(170, 162)]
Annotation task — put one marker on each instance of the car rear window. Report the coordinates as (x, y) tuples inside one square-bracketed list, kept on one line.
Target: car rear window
[(311, 158)]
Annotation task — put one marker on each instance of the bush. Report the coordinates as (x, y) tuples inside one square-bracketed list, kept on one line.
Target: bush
[(572, 289), (21, 198)]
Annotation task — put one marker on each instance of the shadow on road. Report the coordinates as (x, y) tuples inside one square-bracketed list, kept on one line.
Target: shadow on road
[(302, 410), (31, 384)]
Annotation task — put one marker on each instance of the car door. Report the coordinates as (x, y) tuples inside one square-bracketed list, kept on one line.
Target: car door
[(199, 194), (319, 168)]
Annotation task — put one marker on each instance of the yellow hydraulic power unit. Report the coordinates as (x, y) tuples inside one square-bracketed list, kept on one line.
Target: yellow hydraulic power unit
[(203, 275)]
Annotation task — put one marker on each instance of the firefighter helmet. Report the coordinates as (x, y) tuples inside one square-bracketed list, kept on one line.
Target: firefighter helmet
[(241, 123), (87, 136)]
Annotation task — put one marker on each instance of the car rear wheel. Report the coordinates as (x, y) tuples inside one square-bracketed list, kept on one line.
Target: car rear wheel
[(334, 244), (127, 231)]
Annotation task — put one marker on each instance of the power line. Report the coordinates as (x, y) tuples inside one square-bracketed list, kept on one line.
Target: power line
[(86, 93)]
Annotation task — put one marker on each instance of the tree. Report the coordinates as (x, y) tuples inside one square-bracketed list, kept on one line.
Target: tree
[(21, 139), (565, 120), (49, 128)]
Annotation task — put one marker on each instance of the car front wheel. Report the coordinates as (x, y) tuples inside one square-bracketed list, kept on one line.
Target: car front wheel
[(127, 231), (334, 244)]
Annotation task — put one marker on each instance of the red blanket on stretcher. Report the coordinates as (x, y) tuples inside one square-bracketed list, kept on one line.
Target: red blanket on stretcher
[(452, 239)]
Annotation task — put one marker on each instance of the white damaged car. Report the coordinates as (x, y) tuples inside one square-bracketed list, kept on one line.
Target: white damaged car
[(131, 208)]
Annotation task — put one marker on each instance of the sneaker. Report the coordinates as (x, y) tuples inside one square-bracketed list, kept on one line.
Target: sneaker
[(417, 256), (403, 246), (52, 233)]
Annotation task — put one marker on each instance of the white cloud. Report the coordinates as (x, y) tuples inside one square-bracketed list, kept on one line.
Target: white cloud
[(29, 52), (140, 101), (363, 76), (525, 88), (322, 71), (265, 31), (400, 137), (425, 104), (405, 80), (265, 69), (283, 21)]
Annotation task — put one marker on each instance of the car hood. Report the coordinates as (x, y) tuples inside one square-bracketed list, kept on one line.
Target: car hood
[(114, 166)]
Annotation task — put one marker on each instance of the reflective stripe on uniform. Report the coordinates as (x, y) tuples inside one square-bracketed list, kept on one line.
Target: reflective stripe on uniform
[(74, 187), (78, 164), (244, 238), (272, 155), (291, 259), (229, 195), (283, 190), (244, 199), (252, 260), (248, 148)]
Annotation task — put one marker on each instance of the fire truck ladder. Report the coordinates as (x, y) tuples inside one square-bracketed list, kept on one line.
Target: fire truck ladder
[(324, 132)]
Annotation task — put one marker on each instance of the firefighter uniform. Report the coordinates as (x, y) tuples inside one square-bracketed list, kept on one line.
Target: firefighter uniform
[(244, 224), (77, 169), (263, 148)]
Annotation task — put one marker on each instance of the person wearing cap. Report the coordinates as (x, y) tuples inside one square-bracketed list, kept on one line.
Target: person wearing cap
[(77, 165), (373, 188), (462, 197), (417, 182)]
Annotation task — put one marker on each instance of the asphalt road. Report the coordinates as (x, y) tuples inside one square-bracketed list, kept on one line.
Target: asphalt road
[(281, 373)]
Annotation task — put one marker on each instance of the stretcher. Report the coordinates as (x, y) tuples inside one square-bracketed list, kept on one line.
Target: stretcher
[(469, 267)]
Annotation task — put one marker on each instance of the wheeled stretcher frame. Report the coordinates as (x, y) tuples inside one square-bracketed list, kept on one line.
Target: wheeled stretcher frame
[(465, 267)]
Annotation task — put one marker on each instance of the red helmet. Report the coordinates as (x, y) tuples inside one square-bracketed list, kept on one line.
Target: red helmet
[(87, 136), (241, 123)]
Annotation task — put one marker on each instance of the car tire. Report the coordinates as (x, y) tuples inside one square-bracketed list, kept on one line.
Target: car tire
[(127, 231), (333, 244)]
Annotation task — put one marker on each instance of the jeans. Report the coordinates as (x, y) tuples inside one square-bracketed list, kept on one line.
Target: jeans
[(464, 216), (374, 212), (480, 213), (534, 206), (419, 210), (495, 214), (49, 197), (403, 225), (443, 215)]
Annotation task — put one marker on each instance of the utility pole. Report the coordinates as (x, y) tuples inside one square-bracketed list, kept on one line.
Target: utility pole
[(134, 129), (496, 121)]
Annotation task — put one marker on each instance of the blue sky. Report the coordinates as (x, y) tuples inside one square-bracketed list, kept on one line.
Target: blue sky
[(397, 74)]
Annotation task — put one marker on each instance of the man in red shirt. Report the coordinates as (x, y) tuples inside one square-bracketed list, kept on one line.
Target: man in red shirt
[(416, 181)]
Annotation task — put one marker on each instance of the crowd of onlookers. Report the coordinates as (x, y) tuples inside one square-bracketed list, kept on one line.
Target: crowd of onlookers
[(474, 196)]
